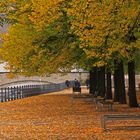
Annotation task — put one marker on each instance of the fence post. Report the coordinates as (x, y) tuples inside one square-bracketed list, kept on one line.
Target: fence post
[(5, 92), (1, 94), (19, 92), (22, 91), (12, 93), (20, 95), (5, 96)]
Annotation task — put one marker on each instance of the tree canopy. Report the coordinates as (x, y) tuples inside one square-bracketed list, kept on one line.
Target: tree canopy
[(49, 35)]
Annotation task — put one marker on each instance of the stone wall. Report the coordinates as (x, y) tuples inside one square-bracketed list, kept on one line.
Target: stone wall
[(57, 78), (53, 78)]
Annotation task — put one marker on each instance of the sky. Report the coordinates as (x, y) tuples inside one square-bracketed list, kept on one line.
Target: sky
[(2, 69)]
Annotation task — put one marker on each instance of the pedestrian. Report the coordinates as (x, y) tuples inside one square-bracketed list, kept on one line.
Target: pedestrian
[(67, 83), (77, 84)]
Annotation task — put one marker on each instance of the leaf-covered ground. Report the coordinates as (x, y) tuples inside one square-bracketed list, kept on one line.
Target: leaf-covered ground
[(59, 116)]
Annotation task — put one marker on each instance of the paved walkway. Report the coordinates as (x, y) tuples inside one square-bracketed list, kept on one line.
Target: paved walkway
[(58, 116)]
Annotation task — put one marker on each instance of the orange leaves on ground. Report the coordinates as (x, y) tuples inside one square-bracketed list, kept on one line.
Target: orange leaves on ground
[(59, 116)]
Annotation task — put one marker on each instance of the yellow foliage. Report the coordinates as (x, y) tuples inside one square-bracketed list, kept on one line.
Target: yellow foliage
[(100, 25), (93, 21), (10, 75), (44, 12)]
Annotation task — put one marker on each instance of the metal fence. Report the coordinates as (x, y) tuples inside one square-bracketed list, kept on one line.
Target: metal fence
[(18, 92)]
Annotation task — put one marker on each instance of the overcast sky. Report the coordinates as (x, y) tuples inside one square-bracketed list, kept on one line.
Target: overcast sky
[(2, 69)]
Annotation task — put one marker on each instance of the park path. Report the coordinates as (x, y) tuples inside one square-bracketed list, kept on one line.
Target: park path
[(59, 116)]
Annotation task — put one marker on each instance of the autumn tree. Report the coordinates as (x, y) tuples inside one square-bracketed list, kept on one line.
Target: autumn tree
[(103, 27), (42, 36)]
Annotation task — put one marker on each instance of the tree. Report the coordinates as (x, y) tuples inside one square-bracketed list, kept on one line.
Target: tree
[(46, 49), (104, 29)]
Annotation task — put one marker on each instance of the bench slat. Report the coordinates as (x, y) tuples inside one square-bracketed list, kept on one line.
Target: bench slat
[(106, 118), (102, 104), (121, 116)]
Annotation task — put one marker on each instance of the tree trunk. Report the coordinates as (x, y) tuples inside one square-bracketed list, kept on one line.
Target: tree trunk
[(93, 80), (119, 85), (109, 86), (122, 97), (131, 82), (98, 82), (101, 80), (116, 82)]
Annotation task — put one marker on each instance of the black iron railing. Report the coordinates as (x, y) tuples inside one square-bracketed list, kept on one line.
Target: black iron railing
[(18, 92)]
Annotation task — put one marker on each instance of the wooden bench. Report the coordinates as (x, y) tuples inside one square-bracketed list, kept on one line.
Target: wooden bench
[(96, 98), (111, 117), (101, 104)]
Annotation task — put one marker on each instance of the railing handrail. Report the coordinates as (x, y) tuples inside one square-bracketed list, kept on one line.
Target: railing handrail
[(25, 81)]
